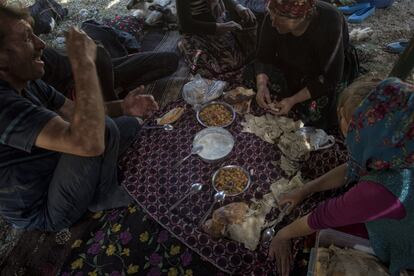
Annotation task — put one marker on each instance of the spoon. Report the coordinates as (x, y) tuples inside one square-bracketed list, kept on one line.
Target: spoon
[(218, 197), (166, 127), (196, 187), (269, 233), (194, 150)]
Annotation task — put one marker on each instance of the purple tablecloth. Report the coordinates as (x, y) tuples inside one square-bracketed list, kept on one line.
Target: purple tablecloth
[(150, 178)]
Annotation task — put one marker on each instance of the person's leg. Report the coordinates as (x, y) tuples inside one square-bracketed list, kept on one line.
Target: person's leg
[(142, 68), (105, 73), (129, 128), (79, 182), (58, 72)]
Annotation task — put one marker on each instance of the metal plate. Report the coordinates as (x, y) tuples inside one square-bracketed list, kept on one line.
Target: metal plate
[(249, 180), (216, 141), (227, 106)]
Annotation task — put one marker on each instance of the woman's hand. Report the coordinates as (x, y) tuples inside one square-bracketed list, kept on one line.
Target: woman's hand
[(222, 28), (245, 14), (280, 250), (294, 198), (284, 106), (263, 96)]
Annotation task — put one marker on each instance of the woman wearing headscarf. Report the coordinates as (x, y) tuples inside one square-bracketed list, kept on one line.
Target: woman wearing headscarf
[(300, 59), (378, 122), (214, 44)]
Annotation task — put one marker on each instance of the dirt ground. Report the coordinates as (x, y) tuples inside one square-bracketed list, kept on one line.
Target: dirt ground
[(388, 25)]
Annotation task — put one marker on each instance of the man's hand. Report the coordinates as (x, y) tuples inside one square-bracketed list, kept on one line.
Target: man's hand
[(80, 47), (222, 28), (245, 14), (284, 106), (280, 251), (139, 105), (263, 96)]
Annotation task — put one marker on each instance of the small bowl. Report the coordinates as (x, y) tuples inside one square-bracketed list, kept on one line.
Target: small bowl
[(226, 105), (217, 143), (215, 175)]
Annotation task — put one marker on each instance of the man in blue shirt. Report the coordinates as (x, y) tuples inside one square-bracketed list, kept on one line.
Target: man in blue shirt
[(58, 158)]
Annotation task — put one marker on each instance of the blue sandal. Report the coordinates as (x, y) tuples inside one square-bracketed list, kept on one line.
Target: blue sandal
[(361, 15), (353, 8), (397, 47)]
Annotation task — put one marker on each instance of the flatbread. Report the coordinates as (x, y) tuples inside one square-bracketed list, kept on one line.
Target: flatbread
[(347, 261), (284, 185), (171, 116)]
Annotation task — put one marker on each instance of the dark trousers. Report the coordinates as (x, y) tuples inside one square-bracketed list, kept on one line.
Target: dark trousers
[(78, 182), (123, 74)]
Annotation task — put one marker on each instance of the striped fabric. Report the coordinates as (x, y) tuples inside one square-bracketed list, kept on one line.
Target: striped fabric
[(25, 170)]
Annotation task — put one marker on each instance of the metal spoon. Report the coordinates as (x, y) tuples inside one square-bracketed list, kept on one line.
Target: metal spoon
[(218, 197), (269, 233), (196, 187), (166, 127), (194, 150)]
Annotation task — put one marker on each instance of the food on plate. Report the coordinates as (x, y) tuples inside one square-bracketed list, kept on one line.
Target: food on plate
[(217, 143), (216, 115), (171, 116), (231, 180)]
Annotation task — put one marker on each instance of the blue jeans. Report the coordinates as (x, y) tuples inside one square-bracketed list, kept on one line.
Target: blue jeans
[(78, 182)]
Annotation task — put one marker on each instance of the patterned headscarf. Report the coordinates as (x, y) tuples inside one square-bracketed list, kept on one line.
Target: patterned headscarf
[(381, 132), (292, 8)]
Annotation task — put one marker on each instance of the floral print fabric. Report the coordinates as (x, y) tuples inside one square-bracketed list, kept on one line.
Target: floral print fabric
[(387, 115), (129, 243)]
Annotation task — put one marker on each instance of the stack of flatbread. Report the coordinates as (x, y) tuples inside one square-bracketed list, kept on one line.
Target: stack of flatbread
[(269, 127), (343, 262), (281, 130), (283, 185), (294, 146), (241, 222), (244, 223)]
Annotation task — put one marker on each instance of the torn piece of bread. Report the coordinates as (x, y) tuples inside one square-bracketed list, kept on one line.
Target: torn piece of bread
[(171, 116), (239, 95), (283, 185), (240, 222)]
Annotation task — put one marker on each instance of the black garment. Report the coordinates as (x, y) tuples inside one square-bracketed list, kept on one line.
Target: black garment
[(25, 170), (45, 14), (114, 41), (203, 23), (124, 73), (303, 59)]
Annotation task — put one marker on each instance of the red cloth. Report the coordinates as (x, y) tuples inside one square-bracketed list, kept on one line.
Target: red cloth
[(292, 8), (366, 201)]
